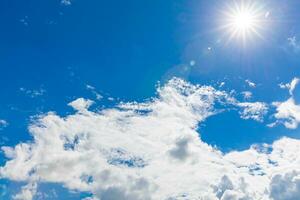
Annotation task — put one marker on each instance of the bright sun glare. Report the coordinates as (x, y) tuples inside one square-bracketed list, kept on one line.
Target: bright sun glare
[(244, 20)]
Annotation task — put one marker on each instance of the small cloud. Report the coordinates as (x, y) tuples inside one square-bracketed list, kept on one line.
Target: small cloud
[(3, 123), (271, 125), (287, 112), (33, 93), (81, 104), (222, 84), (192, 63), (66, 2), (293, 43), (24, 21), (290, 86), (250, 83), (267, 14), (93, 90), (110, 99), (247, 95)]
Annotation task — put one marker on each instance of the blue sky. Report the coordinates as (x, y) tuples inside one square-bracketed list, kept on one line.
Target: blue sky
[(111, 52)]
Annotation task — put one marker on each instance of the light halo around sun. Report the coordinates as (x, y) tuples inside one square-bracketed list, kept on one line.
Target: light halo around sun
[(243, 20)]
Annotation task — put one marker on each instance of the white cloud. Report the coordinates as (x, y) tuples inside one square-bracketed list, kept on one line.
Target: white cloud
[(94, 91), (290, 86), (27, 193), (247, 95), (149, 150), (255, 110), (288, 112), (250, 83), (221, 84), (81, 104)]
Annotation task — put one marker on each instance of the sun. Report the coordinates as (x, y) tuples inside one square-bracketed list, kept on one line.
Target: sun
[(243, 20)]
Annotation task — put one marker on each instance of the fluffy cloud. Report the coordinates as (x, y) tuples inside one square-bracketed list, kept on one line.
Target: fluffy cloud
[(151, 150), (81, 104), (288, 112), (27, 193), (286, 186)]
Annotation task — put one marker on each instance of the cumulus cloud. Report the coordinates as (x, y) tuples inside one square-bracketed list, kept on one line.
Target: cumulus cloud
[(150, 150), (285, 186), (288, 112)]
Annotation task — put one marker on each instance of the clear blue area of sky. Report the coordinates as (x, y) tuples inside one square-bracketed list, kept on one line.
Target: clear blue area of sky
[(123, 48)]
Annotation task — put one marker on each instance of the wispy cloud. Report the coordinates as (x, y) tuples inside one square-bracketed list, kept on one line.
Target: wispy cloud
[(255, 110), (250, 83), (94, 91), (66, 2), (247, 95), (290, 86), (33, 93), (24, 21), (294, 43), (3, 123)]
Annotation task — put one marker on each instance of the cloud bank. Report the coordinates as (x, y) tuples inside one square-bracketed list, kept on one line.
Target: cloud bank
[(151, 150)]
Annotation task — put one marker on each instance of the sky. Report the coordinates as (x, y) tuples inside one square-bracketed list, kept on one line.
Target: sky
[(138, 100)]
